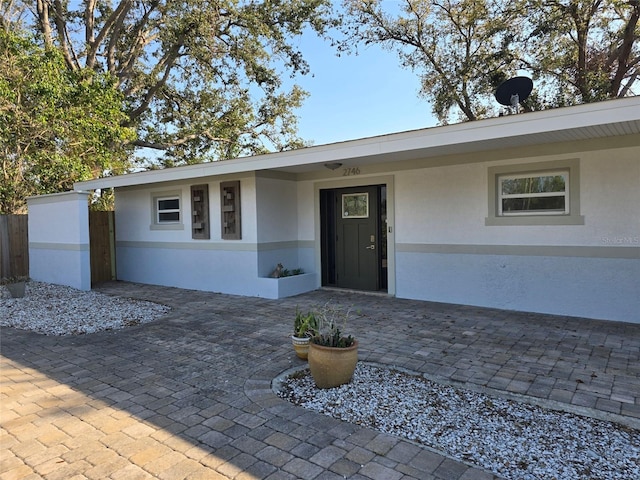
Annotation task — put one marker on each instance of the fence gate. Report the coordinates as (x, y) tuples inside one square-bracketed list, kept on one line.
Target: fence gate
[(102, 241), (14, 246)]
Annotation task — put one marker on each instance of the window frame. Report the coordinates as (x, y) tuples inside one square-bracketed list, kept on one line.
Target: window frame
[(156, 223), (550, 173), (570, 167)]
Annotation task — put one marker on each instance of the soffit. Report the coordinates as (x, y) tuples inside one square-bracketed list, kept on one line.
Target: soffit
[(571, 124)]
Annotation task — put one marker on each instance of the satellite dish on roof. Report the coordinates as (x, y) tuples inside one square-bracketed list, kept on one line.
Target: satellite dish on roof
[(513, 91)]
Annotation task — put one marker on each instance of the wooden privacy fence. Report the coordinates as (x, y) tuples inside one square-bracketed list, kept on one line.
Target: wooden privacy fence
[(14, 246), (102, 246)]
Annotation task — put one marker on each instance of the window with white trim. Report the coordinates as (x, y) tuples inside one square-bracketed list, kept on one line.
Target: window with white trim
[(544, 193), (167, 210), (540, 193)]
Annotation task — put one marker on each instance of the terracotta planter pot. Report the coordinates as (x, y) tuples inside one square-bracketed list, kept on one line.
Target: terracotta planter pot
[(301, 346), (330, 366)]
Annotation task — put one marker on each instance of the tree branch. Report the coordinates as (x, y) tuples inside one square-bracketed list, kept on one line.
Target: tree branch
[(61, 26), (142, 40), (181, 141), (43, 20), (89, 22), (118, 14), (624, 52), (167, 64)]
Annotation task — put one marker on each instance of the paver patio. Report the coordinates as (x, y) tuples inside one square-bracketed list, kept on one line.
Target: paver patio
[(189, 396)]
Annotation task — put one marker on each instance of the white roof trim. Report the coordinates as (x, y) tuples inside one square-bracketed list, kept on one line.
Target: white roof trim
[(580, 122)]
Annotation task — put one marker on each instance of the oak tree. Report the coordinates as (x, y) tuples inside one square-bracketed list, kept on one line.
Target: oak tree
[(57, 126), (583, 51), (201, 79), (577, 51), (460, 48)]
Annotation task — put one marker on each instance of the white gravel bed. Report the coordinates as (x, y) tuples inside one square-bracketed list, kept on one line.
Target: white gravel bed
[(59, 310), (511, 439)]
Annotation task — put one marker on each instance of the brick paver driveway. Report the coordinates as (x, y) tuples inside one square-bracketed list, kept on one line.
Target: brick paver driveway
[(189, 396)]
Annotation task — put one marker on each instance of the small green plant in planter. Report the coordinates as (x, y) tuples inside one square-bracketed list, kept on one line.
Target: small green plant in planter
[(15, 285), (332, 355), (305, 326), (281, 272), (334, 339)]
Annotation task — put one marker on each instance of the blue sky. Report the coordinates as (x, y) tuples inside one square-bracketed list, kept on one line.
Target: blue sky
[(357, 96)]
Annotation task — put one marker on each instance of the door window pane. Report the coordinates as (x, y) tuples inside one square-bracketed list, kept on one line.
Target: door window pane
[(355, 205)]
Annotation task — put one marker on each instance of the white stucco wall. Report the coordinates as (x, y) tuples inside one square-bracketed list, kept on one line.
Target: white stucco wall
[(441, 246), (306, 204), (446, 253), (134, 212), (148, 254), (444, 205), (276, 210), (59, 239), (277, 226)]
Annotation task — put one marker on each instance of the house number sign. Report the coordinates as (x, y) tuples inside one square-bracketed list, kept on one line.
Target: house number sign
[(349, 172)]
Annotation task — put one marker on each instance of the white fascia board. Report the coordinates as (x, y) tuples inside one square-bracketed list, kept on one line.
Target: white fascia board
[(499, 128), (57, 197)]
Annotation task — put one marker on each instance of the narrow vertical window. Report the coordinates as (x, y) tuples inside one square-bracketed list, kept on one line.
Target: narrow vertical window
[(230, 210), (200, 212)]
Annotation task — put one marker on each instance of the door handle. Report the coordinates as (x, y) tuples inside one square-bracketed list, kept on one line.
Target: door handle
[(371, 247)]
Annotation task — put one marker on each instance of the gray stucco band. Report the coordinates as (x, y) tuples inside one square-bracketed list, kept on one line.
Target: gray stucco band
[(283, 245), (523, 250), (226, 245), (78, 247)]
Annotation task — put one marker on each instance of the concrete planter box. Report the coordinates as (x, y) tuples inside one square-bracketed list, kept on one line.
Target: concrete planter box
[(288, 286)]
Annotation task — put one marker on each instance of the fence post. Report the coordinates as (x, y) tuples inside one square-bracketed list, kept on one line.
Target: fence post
[(5, 253)]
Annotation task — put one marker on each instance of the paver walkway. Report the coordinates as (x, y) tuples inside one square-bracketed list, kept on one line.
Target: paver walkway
[(189, 396)]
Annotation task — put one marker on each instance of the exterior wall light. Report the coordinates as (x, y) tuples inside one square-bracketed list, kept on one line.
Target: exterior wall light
[(333, 166)]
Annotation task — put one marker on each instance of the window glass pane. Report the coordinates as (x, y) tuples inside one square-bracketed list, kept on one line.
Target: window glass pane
[(169, 217), (533, 204), (169, 204), (533, 191), (543, 184), (355, 205)]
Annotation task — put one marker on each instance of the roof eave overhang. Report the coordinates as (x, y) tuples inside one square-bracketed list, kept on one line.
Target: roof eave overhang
[(596, 120)]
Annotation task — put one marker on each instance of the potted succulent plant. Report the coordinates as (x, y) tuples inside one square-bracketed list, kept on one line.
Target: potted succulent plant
[(304, 327), (332, 355), (15, 285)]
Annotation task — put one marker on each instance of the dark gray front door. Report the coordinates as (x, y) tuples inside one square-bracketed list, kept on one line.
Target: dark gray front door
[(357, 242)]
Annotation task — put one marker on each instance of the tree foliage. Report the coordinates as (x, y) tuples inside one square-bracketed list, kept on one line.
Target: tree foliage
[(202, 79), (459, 48), (585, 51), (57, 126), (576, 51)]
